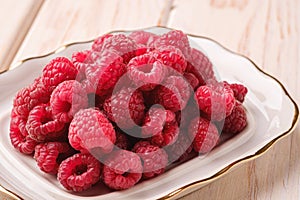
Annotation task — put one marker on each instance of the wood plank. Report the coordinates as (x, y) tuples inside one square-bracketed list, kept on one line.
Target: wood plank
[(268, 32), (60, 22), (15, 19)]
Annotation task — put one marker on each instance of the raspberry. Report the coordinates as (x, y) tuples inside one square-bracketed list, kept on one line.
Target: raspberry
[(146, 71), (181, 148), (122, 170), (58, 70), (49, 155), (125, 108), (167, 136), (105, 72), (200, 66), (173, 94), (81, 61), (123, 45), (79, 172), (171, 57), (66, 99), (174, 38), (143, 37), (39, 91), (19, 137), (215, 100), (154, 159), (236, 121), (122, 141), (155, 120), (239, 91), (91, 131), (205, 135), (98, 43), (192, 79)]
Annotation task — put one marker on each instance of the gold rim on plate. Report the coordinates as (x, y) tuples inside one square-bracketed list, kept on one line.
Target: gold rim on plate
[(174, 194)]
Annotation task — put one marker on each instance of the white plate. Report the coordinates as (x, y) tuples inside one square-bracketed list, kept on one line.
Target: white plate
[(272, 114)]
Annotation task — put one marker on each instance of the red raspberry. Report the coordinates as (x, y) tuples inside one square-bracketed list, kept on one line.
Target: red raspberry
[(174, 38), (91, 131), (236, 121), (122, 140), (98, 42), (171, 57), (146, 71), (200, 66), (215, 100), (79, 172), (41, 126), (192, 79), (154, 159), (125, 108), (58, 70), (19, 137), (39, 91), (205, 135), (105, 72), (167, 136), (173, 94), (81, 61), (239, 91), (180, 150), (123, 45), (143, 37), (122, 170), (49, 155), (66, 99)]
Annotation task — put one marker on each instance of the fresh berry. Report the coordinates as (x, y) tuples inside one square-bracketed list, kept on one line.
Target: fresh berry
[(172, 58), (143, 37), (98, 43), (41, 126), (173, 94), (174, 38), (200, 66), (125, 108), (204, 134), (122, 170), (236, 121), (67, 98), (167, 136), (192, 79), (79, 172), (58, 70), (103, 75), (81, 61), (146, 71), (239, 91), (215, 100), (49, 155), (122, 141), (154, 159), (90, 131), (39, 91)]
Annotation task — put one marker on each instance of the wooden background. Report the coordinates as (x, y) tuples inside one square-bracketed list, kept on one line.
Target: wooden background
[(267, 31)]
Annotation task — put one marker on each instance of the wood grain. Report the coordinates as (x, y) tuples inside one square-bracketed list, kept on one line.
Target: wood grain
[(267, 32), (60, 22), (15, 19)]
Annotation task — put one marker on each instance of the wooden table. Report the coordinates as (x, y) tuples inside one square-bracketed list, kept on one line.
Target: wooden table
[(267, 31)]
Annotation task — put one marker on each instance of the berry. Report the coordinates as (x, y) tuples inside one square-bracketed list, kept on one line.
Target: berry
[(143, 37), (122, 170), (146, 71), (67, 98), (39, 91), (204, 134), (154, 159), (103, 75), (173, 94), (215, 100), (200, 66), (79, 172), (58, 70), (49, 155), (98, 42), (81, 61), (174, 38), (91, 131), (239, 91), (236, 121), (125, 108), (171, 57), (167, 136), (41, 126)]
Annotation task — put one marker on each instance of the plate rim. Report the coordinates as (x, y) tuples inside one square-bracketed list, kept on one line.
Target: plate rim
[(176, 193)]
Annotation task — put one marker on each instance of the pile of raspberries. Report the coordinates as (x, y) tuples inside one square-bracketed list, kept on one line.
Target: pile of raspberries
[(124, 110)]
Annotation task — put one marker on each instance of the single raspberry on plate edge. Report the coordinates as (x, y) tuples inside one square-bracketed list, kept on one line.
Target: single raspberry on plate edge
[(239, 91), (79, 172), (236, 121)]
